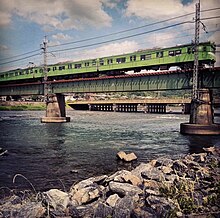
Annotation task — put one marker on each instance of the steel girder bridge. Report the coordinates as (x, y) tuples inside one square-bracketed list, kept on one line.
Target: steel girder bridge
[(153, 81)]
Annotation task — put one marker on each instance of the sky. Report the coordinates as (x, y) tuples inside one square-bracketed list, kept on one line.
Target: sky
[(68, 24)]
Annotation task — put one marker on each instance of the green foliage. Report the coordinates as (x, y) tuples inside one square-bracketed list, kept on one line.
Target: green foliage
[(22, 107)]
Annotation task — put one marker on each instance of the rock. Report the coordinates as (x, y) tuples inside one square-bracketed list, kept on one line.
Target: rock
[(151, 192), (57, 199), (166, 169), (199, 157), (163, 162), (88, 182), (179, 166), (126, 157), (123, 207), (212, 150), (125, 176), (112, 200), (141, 168), (154, 174), (103, 210), (124, 189), (151, 184), (85, 195)]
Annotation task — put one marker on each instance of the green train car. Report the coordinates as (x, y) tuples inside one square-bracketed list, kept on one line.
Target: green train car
[(153, 59)]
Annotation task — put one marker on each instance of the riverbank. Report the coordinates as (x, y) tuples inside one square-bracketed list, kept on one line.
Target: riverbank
[(187, 187), (21, 106)]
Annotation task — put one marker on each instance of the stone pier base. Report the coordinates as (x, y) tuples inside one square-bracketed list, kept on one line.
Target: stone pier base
[(201, 116), (55, 110)]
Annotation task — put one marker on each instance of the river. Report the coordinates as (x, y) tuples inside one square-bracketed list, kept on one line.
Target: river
[(47, 153)]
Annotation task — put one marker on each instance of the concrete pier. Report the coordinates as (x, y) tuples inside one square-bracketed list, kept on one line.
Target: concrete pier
[(201, 116), (55, 111)]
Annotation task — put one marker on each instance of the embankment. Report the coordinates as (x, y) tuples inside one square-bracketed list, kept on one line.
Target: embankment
[(188, 187)]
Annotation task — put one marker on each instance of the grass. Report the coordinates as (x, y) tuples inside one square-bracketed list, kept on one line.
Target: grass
[(23, 108)]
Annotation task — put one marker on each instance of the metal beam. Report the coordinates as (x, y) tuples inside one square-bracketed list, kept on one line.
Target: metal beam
[(158, 81)]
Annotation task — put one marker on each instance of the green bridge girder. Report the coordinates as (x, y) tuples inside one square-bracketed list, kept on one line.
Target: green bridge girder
[(171, 80)]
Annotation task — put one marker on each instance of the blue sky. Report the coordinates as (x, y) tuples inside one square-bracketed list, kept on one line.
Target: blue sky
[(24, 23)]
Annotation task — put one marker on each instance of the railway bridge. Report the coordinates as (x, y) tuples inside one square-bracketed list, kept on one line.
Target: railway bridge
[(153, 81)]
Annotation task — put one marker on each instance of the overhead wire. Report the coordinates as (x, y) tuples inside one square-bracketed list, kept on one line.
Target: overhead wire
[(112, 40)]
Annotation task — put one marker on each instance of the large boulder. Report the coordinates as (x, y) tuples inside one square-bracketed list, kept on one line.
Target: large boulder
[(124, 189), (57, 199), (125, 176)]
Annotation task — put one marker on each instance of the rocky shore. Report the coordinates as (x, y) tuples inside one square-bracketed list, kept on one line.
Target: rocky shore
[(188, 187)]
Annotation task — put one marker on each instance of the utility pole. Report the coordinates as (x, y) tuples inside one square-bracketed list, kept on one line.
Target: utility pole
[(196, 54), (196, 64), (46, 87)]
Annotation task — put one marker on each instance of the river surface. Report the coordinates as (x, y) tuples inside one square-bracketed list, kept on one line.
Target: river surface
[(46, 154)]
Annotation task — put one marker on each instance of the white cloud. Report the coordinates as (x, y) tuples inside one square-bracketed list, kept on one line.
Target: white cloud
[(102, 51), (57, 14), (157, 9), (3, 47), (61, 36)]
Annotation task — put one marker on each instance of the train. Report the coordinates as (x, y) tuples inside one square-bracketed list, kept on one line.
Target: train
[(181, 56)]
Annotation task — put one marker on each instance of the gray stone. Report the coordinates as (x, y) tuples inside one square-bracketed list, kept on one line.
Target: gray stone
[(125, 176), (88, 182), (85, 195), (141, 168), (154, 174), (103, 210), (57, 199), (112, 200), (151, 192), (124, 189)]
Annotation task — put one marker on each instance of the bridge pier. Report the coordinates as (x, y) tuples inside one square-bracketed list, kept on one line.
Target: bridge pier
[(55, 110), (201, 116)]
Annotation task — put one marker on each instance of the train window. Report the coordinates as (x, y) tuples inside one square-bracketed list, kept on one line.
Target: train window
[(2, 76), (110, 61), (70, 66), (78, 66), (86, 64), (35, 71), (16, 73), (41, 70), (93, 62), (11, 74), (148, 56), (204, 48), (21, 73), (61, 67), (133, 58), (159, 54), (31, 70), (6, 75), (143, 57), (178, 52), (101, 62), (54, 68), (26, 71), (171, 53), (120, 60), (48, 69), (189, 50)]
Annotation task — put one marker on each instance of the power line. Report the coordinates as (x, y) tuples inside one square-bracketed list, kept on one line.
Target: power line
[(120, 38), (128, 30), (123, 31), (19, 59), (19, 55)]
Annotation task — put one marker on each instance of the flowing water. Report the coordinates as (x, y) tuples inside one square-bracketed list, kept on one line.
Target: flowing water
[(46, 154)]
